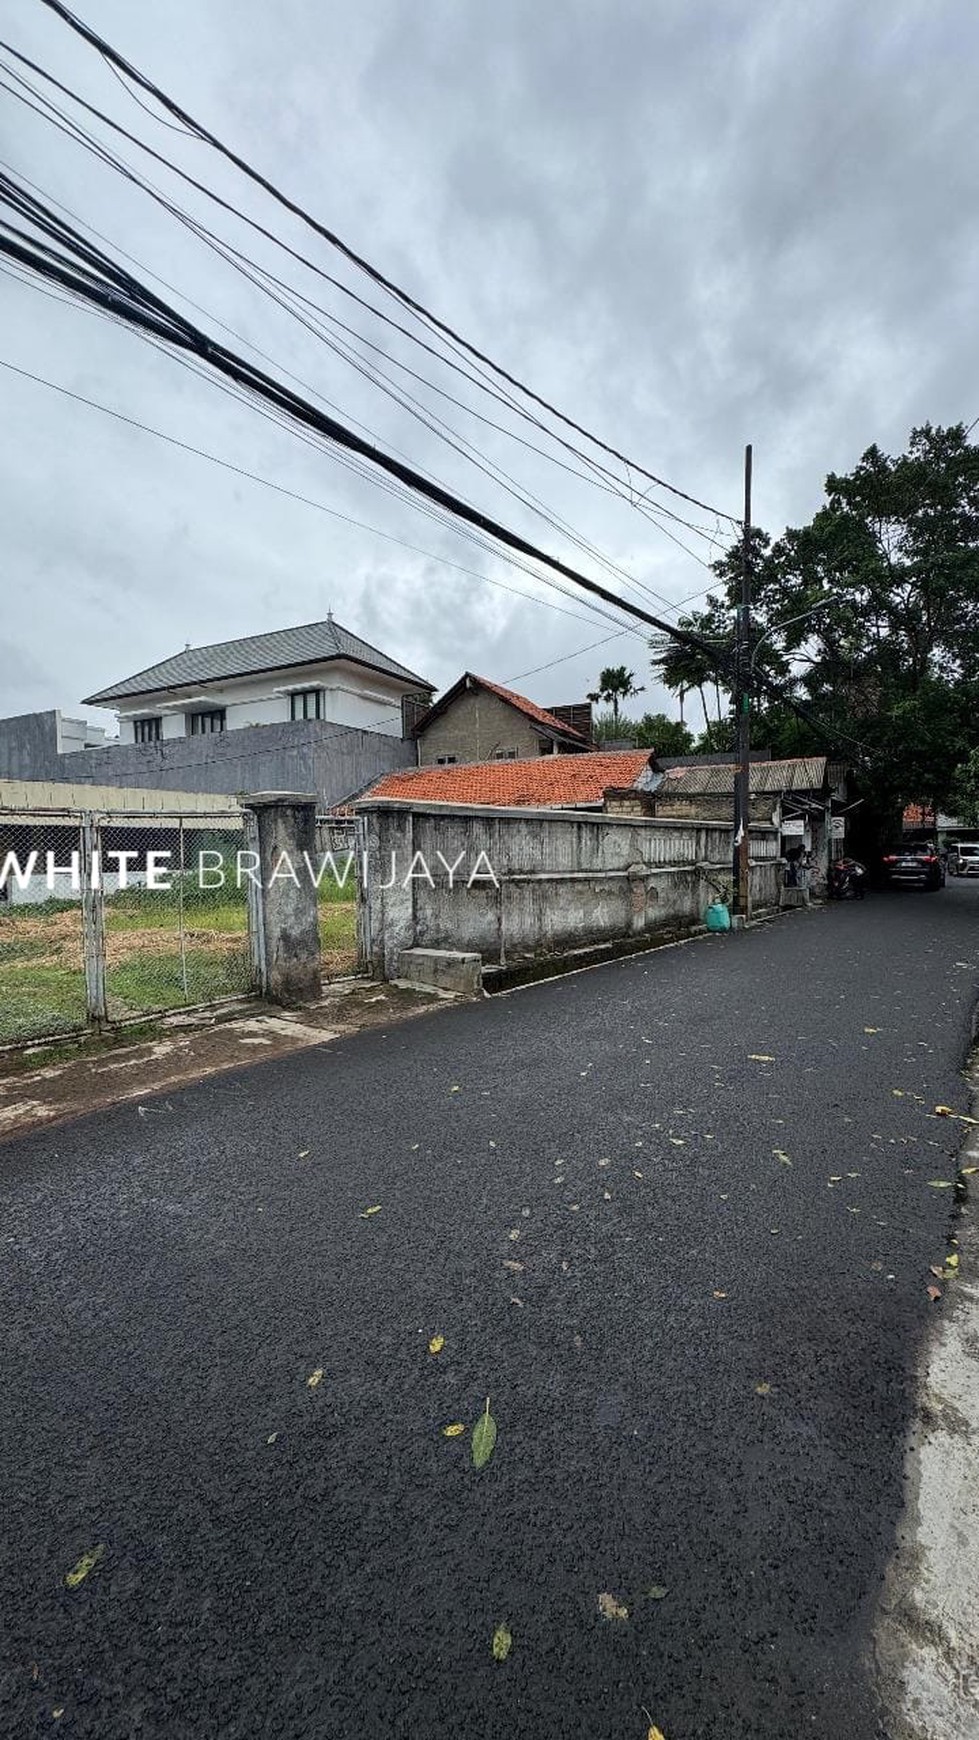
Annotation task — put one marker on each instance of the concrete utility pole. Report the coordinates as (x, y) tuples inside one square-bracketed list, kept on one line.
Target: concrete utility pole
[(740, 869)]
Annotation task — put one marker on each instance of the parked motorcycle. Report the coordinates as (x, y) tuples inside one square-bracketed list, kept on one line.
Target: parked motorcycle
[(847, 879)]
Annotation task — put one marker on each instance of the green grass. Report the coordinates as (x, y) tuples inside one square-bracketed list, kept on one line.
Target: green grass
[(41, 1000), (154, 981), (37, 1000)]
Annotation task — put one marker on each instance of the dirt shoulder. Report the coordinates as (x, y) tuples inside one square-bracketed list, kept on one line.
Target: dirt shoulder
[(47, 1084)]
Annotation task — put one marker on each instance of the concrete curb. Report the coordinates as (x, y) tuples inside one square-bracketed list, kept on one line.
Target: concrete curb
[(927, 1634)]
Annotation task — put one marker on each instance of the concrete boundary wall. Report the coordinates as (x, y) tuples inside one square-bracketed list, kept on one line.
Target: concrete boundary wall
[(530, 883)]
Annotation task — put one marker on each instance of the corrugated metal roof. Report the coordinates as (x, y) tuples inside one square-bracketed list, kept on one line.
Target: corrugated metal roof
[(804, 773), (311, 643)]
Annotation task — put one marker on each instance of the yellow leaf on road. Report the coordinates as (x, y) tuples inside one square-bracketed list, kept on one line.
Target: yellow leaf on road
[(366, 1213), (609, 1608), (86, 1563), (760, 1057), (315, 1378), (436, 1344), (454, 1431), (763, 1389), (781, 1156), (655, 1733), (502, 1641)]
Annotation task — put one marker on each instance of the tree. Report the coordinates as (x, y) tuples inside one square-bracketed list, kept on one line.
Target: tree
[(666, 736), (888, 661), (615, 684), (964, 798), (681, 667)]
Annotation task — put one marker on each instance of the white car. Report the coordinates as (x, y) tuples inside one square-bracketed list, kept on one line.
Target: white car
[(963, 859)]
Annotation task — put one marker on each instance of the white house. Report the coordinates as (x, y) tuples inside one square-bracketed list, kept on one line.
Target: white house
[(318, 671)]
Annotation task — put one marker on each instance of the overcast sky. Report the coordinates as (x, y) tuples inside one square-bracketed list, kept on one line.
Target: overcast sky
[(688, 224)]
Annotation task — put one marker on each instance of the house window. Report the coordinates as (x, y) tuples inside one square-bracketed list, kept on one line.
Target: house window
[(203, 724), (147, 730), (504, 755), (445, 760), (306, 704)]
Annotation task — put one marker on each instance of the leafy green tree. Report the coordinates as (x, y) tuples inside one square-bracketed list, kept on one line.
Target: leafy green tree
[(870, 618), (615, 684), (666, 736), (964, 797)]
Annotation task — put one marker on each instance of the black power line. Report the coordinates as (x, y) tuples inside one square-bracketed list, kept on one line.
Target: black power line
[(115, 59), (82, 269)]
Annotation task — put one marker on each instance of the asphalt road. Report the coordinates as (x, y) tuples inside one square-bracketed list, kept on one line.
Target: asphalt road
[(701, 1370)]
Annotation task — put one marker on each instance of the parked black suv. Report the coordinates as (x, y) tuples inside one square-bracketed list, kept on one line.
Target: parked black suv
[(916, 865)]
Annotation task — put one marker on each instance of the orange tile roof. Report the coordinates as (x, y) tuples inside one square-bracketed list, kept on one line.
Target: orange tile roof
[(545, 780), (530, 708)]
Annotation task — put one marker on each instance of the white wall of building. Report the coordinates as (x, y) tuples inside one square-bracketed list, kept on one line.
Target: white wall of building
[(351, 696)]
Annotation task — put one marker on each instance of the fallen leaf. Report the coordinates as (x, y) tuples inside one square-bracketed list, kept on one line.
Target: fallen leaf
[(502, 1641), (937, 1272), (436, 1344), (514, 1234), (303, 1154), (760, 1057), (944, 1112), (609, 1608), (658, 1592), (781, 1156), (416, 1145), (509, 1263), (934, 1293), (58, 1713), (836, 1177), (604, 1162), (655, 1733), (952, 1261), (483, 1438), (763, 1389), (940, 1184), (636, 1174), (719, 1295), (366, 1213), (454, 1431), (455, 1090), (271, 1437), (968, 1171), (871, 1029), (315, 1378), (86, 1563)]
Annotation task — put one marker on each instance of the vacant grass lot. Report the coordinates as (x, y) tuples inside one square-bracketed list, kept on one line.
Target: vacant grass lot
[(42, 987)]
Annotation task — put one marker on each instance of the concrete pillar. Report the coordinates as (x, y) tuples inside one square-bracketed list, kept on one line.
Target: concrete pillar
[(284, 910)]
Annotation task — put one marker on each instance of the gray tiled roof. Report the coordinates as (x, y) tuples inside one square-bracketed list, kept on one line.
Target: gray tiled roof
[(310, 644)]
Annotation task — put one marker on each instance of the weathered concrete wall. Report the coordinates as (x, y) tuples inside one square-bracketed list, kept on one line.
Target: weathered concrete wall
[(29, 747), (539, 882), (307, 755)]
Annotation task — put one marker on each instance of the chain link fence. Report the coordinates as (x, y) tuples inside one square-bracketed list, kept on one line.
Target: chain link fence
[(107, 918), (42, 958), (339, 845)]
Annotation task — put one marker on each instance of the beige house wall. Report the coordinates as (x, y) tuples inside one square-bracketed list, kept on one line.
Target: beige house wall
[(476, 727)]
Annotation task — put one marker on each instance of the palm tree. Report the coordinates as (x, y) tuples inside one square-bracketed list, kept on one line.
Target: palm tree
[(615, 684)]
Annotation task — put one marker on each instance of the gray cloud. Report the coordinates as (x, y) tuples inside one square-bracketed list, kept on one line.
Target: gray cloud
[(688, 225)]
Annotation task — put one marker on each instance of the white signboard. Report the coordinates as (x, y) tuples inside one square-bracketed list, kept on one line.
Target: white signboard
[(794, 825), (837, 828)]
